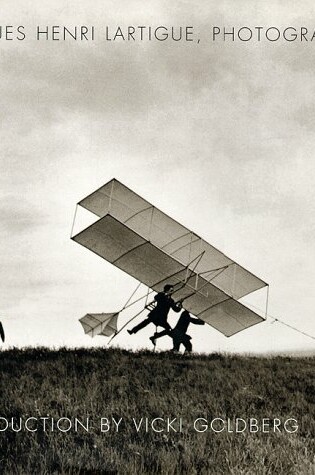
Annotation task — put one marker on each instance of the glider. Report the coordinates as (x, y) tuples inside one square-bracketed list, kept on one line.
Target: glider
[(147, 244)]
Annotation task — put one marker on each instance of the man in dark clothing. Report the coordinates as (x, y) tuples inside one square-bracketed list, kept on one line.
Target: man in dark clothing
[(158, 315), (179, 334)]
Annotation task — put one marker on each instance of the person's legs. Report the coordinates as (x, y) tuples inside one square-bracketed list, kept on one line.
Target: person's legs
[(176, 345), (162, 333), (141, 325), (187, 344), (167, 331), (176, 340)]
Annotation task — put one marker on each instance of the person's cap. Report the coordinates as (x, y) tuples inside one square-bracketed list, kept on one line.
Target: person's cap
[(168, 287)]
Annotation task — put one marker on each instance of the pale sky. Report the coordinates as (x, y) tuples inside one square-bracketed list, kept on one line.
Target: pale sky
[(219, 135)]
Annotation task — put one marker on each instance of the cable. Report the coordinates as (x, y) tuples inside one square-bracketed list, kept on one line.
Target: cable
[(75, 214), (292, 328), (281, 321)]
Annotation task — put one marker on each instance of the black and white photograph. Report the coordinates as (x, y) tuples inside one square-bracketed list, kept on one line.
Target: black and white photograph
[(157, 237)]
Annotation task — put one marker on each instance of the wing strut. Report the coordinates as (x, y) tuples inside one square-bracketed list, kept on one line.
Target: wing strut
[(221, 269)]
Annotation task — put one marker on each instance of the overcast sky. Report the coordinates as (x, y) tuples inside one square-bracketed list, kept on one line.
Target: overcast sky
[(219, 135)]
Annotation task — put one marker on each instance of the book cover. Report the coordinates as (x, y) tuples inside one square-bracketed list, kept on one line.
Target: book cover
[(174, 142)]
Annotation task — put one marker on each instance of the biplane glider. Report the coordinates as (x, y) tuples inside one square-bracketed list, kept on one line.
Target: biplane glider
[(147, 244)]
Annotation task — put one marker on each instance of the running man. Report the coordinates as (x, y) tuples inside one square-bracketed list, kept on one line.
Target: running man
[(158, 316)]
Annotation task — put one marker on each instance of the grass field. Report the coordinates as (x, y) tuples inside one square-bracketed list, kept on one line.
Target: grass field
[(58, 403)]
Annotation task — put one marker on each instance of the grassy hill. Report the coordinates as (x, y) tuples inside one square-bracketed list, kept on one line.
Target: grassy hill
[(214, 414)]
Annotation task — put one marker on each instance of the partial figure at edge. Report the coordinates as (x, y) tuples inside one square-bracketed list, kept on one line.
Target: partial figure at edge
[(2, 332)]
